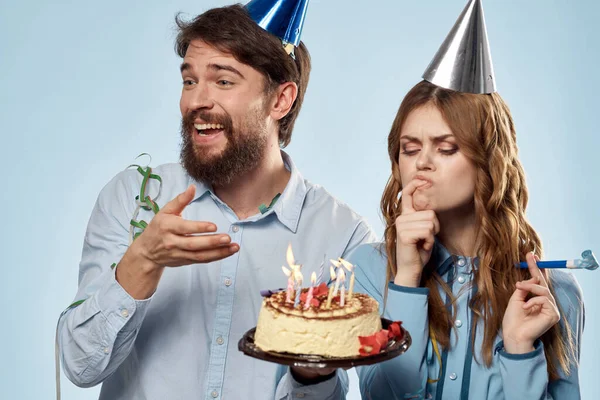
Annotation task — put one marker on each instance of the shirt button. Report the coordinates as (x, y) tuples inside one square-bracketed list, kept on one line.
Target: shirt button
[(220, 340), (300, 395), (461, 262), (452, 376), (106, 350), (461, 279), (235, 228), (125, 313), (458, 323), (214, 394), (227, 282)]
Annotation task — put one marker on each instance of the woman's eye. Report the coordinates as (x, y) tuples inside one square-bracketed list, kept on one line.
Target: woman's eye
[(410, 152), (449, 152)]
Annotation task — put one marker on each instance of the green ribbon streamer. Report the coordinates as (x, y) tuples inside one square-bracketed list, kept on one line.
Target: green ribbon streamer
[(263, 209)]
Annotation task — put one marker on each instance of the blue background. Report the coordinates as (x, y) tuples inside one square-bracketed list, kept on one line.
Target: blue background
[(86, 86)]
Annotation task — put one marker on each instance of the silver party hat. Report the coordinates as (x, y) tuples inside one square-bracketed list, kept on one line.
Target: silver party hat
[(464, 63)]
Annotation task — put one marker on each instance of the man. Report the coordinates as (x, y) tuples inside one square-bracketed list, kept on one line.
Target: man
[(165, 322)]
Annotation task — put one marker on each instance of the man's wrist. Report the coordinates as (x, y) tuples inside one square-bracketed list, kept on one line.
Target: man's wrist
[(137, 276)]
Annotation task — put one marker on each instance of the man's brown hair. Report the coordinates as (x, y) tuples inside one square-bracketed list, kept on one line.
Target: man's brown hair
[(231, 30)]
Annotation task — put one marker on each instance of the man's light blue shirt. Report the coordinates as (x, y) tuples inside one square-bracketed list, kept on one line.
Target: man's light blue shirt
[(182, 343)]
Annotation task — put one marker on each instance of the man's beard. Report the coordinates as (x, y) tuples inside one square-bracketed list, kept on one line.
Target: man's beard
[(245, 147)]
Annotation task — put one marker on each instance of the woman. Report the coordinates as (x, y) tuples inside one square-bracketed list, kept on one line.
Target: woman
[(481, 328)]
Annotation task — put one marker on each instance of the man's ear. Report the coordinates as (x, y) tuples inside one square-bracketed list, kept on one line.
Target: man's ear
[(283, 100)]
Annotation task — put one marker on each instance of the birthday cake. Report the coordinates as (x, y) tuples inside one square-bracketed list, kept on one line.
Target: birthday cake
[(328, 326)]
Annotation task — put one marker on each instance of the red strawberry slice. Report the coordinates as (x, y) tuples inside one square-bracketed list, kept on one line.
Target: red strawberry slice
[(368, 345)]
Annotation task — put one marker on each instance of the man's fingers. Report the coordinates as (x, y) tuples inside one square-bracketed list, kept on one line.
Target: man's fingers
[(177, 205), (206, 256), (203, 242), (217, 254), (185, 227)]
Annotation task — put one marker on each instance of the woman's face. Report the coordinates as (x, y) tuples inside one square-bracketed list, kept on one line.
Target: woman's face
[(429, 152)]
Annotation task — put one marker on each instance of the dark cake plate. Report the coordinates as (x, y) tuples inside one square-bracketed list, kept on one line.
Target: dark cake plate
[(393, 349)]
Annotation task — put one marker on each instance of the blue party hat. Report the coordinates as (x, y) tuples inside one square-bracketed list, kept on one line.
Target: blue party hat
[(282, 18)]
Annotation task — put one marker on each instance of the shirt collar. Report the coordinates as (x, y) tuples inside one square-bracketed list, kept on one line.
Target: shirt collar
[(442, 260), (289, 205), (201, 188)]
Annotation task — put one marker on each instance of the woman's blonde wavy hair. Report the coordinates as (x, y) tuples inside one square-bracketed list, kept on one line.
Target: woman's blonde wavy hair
[(485, 133)]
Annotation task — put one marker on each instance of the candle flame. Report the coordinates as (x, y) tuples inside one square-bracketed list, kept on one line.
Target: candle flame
[(313, 278), (336, 263), (290, 256), (346, 264), (286, 271), (332, 273), (342, 275)]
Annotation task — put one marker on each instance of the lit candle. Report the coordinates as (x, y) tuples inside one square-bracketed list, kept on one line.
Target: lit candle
[(309, 296), (336, 263), (342, 279), (299, 278), (350, 268), (290, 285), (338, 281), (346, 264), (330, 295), (351, 287), (289, 255)]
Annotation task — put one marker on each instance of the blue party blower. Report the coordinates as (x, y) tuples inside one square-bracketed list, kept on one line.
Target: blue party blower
[(587, 261)]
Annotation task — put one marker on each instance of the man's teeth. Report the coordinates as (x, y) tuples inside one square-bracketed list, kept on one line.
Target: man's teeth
[(202, 127)]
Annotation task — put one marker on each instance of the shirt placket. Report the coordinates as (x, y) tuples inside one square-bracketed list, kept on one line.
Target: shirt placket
[(223, 314), (455, 362)]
